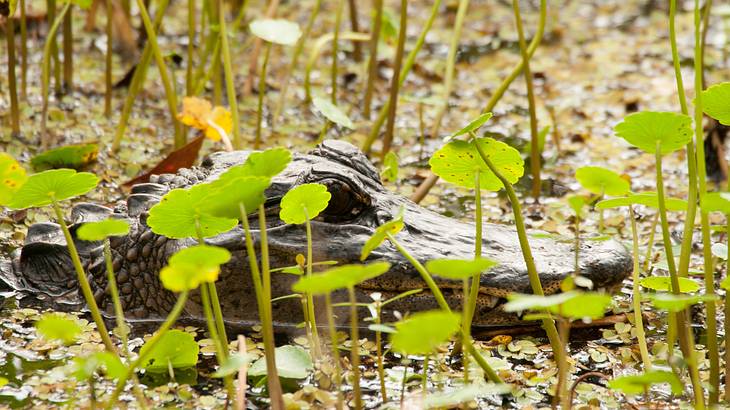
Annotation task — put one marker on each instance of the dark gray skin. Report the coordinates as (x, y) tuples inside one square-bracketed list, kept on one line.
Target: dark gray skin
[(359, 204)]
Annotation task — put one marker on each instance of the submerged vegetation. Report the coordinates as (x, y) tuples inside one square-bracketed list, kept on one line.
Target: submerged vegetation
[(346, 352)]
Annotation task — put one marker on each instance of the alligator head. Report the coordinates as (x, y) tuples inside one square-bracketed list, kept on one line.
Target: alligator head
[(359, 204)]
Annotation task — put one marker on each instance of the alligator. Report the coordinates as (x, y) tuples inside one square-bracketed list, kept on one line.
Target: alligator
[(360, 203)]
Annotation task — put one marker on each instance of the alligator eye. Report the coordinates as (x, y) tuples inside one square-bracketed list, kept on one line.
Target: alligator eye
[(345, 202)]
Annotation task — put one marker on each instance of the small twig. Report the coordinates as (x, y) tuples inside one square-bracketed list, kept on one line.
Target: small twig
[(242, 386), (582, 377)]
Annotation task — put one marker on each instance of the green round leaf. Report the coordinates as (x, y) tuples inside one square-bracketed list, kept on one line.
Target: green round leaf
[(649, 199), (341, 277), (638, 384), (716, 102), (452, 399), (390, 167), (716, 202), (474, 125), (192, 266), (59, 184), (422, 333), (645, 129), (86, 367), (459, 269), (234, 363), (390, 227), (97, 231), (521, 302), (267, 163), (664, 284), (585, 305), (675, 303), (292, 362), (70, 156), (176, 349), (602, 181), (332, 112), (276, 31), (227, 194), (180, 210), (725, 283), (53, 326), (459, 161), (577, 203), (304, 203), (12, 177)]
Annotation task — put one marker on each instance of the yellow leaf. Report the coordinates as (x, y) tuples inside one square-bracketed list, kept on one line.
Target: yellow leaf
[(195, 112), (222, 118)]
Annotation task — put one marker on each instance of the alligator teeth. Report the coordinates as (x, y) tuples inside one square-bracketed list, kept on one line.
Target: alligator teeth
[(88, 212), (137, 204)]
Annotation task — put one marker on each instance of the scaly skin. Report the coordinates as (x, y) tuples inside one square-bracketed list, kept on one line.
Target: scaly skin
[(359, 204)]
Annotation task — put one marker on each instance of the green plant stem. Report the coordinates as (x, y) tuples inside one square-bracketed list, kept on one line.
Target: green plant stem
[(441, 301), (151, 343), (221, 346), (636, 296), (410, 61), (295, 61), (316, 51), (548, 323), (212, 296), (68, 51), (335, 51), (535, 149), (394, 83), (377, 15), (51, 15), (355, 348), (337, 381), (111, 280), (379, 352), (432, 178), (471, 293), (709, 274), (310, 299), (12, 85), (424, 376), (450, 66), (46, 69), (167, 83), (23, 51), (83, 281), (262, 92), (650, 243), (727, 312), (108, 59), (191, 47), (230, 79), (563, 367), (201, 75), (355, 26)]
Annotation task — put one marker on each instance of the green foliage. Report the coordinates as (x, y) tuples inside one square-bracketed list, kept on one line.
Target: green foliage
[(341, 277), (390, 167), (602, 181), (638, 384), (97, 231), (192, 266), (664, 284), (645, 198), (646, 129), (675, 303), (225, 196), (84, 368), (70, 156), (572, 305), (12, 177), (473, 126), (716, 102), (233, 364), (332, 112), (53, 326), (268, 163), (422, 333), (381, 232), (292, 362), (458, 162), (716, 202), (277, 31), (57, 184), (576, 203), (303, 203), (459, 269), (464, 394), (180, 210), (176, 349)]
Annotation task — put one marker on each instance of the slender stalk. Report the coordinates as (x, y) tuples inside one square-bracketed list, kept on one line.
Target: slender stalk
[(83, 281), (12, 85), (230, 79), (394, 84), (650, 243), (548, 324), (450, 65), (191, 48), (221, 344), (112, 282), (727, 312), (317, 49), (355, 348), (335, 352), (51, 18), (23, 51), (410, 60), (151, 343), (377, 16), (310, 300), (564, 367), (335, 50), (46, 68), (432, 178), (262, 91), (441, 301), (534, 150), (636, 296), (108, 59), (710, 307), (167, 83), (295, 61), (68, 51), (379, 352), (355, 26)]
